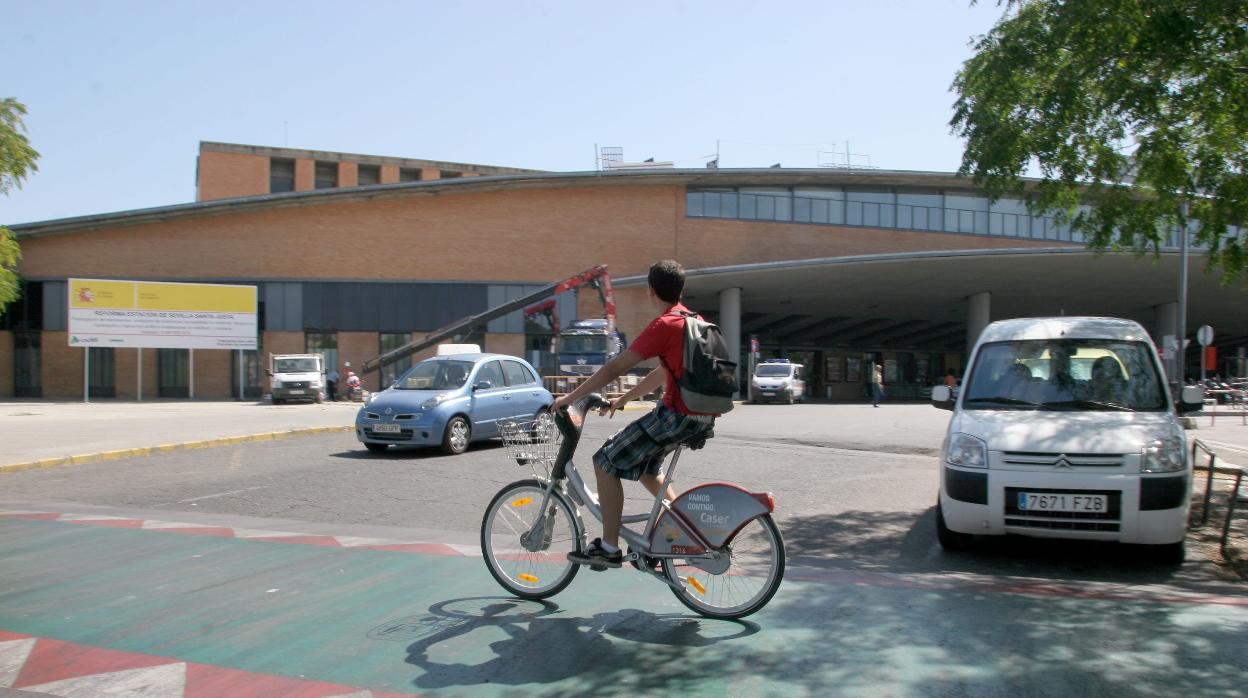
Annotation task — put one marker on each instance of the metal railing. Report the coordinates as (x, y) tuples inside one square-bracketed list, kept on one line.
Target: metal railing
[(562, 385), (1238, 472)]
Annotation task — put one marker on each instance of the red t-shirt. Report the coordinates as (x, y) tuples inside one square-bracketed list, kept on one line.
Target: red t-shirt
[(664, 337)]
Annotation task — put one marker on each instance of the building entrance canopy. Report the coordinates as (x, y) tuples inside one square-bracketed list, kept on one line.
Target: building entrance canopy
[(919, 301)]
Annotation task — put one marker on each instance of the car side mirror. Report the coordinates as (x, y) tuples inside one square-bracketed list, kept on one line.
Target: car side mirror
[(482, 385), (1191, 398), (942, 397)]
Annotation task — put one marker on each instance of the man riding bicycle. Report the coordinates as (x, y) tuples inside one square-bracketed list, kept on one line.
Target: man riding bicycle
[(636, 452)]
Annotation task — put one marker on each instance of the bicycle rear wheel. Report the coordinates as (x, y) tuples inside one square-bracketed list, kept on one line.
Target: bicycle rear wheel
[(755, 569), (528, 573)]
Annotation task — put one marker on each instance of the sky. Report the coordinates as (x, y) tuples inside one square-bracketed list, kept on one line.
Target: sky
[(120, 93)]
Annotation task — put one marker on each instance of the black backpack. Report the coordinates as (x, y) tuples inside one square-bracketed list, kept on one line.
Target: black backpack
[(709, 379)]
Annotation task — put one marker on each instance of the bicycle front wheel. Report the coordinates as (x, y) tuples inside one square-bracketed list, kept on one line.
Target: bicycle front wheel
[(533, 569), (755, 568)]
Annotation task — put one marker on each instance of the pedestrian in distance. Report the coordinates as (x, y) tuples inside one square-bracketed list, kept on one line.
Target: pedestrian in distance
[(331, 384), (877, 384), (951, 380), (636, 452)]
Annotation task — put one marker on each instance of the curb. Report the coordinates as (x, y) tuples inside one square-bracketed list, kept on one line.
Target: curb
[(165, 448)]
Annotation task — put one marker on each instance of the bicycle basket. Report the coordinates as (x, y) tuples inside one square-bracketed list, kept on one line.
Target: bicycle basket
[(534, 443)]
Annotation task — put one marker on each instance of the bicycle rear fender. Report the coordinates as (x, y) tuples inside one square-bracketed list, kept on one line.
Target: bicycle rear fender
[(717, 510)]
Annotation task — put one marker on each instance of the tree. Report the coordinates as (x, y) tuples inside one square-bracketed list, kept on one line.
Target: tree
[(1137, 109), (17, 159)]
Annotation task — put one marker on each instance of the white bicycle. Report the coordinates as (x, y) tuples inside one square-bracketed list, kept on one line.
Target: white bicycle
[(716, 546)]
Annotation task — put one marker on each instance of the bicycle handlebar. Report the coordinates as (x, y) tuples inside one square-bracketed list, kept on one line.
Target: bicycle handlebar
[(571, 420)]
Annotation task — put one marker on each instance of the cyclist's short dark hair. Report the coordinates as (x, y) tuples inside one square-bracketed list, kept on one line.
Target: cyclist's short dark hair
[(667, 280)]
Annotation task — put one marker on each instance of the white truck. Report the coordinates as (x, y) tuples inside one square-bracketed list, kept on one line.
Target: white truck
[(296, 377)]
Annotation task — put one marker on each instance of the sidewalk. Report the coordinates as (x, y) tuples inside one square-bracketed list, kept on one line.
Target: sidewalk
[(46, 433)]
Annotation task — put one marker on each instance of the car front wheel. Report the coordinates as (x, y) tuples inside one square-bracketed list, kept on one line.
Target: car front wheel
[(455, 440), (950, 539)]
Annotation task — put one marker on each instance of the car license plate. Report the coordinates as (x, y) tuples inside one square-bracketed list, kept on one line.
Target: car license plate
[(296, 392), (385, 428), (769, 394), (1046, 501)]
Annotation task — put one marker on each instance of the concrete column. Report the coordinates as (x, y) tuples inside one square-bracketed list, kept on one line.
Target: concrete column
[(730, 324), (1165, 324), (978, 315)]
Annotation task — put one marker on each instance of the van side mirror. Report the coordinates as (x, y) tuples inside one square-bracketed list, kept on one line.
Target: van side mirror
[(942, 397), (268, 373), (1191, 399)]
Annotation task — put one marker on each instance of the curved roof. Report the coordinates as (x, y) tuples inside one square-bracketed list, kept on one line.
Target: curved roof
[(556, 180)]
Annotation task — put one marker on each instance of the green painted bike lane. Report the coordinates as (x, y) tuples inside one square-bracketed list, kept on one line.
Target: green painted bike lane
[(440, 625)]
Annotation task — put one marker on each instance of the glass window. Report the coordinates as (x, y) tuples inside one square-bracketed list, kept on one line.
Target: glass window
[(819, 211), (853, 213), (386, 343), (173, 373), (281, 175), (766, 208), (409, 174), (516, 373), (368, 174), (435, 374), (1065, 374), (325, 344), (749, 206), (326, 175), (802, 209), (710, 204), (27, 365), (493, 373), (693, 203), (450, 174), (728, 204)]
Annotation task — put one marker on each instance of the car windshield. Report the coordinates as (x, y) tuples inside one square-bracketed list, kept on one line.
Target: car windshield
[(766, 370), (294, 365), (435, 375), (1065, 374), (583, 345)]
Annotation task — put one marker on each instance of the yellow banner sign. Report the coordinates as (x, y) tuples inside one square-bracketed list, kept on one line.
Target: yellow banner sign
[(151, 314)]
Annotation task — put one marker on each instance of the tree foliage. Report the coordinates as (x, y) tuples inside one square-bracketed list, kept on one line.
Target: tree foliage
[(1138, 108), (17, 160)]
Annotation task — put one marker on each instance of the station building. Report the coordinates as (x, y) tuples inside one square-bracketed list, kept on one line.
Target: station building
[(354, 255)]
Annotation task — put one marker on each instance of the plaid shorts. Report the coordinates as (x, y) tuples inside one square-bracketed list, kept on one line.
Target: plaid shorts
[(641, 446)]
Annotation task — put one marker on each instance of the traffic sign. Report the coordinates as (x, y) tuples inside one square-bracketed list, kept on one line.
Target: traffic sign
[(1204, 335)]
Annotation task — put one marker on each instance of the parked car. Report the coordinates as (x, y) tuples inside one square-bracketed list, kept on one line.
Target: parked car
[(1064, 428), (451, 401)]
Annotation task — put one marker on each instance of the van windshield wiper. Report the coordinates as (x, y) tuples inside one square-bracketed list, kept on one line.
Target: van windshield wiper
[(1002, 400), (1090, 404)]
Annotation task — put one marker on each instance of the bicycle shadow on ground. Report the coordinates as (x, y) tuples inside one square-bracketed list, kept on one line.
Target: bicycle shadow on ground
[(905, 542), (544, 644)]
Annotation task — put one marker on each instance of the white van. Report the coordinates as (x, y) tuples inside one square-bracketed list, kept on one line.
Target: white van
[(778, 380), (1064, 428)]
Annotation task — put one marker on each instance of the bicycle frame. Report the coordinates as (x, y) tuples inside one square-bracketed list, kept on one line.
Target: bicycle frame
[(695, 527)]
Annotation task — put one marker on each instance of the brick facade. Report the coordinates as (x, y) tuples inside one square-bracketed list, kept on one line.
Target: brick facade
[(535, 233)]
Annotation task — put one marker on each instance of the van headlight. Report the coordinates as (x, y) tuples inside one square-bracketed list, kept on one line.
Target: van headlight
[(1162, 456), (967, 451)]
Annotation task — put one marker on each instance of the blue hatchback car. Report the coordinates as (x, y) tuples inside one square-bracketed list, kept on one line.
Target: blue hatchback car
[(451, 401)]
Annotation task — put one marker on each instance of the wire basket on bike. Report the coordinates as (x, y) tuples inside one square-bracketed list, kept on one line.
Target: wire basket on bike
[(535, 443)]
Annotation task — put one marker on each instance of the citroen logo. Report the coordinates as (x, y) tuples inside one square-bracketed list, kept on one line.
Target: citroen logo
[(1061, 462), (388, 410)]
